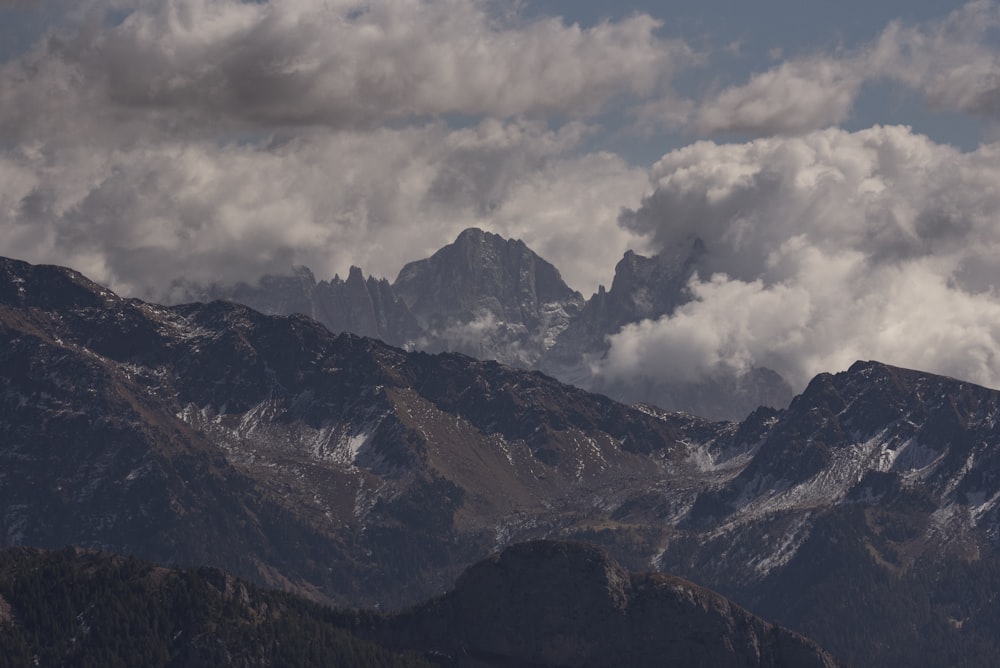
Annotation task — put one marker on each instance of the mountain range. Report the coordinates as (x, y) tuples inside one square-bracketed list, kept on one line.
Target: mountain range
[(866, 514), (496, 299)]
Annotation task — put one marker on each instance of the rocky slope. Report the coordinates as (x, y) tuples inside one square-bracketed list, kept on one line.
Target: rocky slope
[(865, 514), (876, 493)]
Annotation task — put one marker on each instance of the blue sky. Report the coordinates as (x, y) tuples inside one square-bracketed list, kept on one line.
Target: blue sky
[(839, 160)]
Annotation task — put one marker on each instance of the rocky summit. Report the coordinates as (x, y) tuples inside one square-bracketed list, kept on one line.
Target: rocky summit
[(864, 515)]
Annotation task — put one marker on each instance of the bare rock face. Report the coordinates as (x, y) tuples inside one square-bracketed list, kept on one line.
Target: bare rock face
[(643, 288), (366, 307), (488, 297), (567, 604)]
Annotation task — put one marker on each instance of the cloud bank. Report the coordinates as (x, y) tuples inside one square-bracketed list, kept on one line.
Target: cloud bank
[(193, 65), (823, 249)]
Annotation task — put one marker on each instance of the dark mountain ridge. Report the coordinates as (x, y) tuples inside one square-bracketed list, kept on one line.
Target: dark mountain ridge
[(541, 604), (566, 604)]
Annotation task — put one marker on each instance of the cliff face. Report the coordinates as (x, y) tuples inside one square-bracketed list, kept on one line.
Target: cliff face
[(488, 297)]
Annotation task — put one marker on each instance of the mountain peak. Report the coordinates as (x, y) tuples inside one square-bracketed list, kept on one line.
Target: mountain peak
[(488, 296), (472, 234), (861, 366), (48, 286), (355, 275), (475, 235)]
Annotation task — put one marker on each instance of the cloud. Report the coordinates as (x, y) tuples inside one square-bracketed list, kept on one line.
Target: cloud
[(953, 62), (189, 65), (138, 217), (217, 139), (822, 249), (567, 212), (794, 97), (708, 337)]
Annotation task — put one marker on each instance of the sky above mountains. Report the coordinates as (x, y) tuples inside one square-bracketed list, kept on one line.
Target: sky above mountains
[(840, 161)]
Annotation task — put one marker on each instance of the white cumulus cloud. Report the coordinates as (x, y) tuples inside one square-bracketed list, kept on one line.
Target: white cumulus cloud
[(794, 97), (822, 249), (219, 139)]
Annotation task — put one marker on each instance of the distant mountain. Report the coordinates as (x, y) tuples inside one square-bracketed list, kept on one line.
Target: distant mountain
[(539, 604), (644, 288), (495, 299), (864, 515), (366, 307), (488, 297)]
